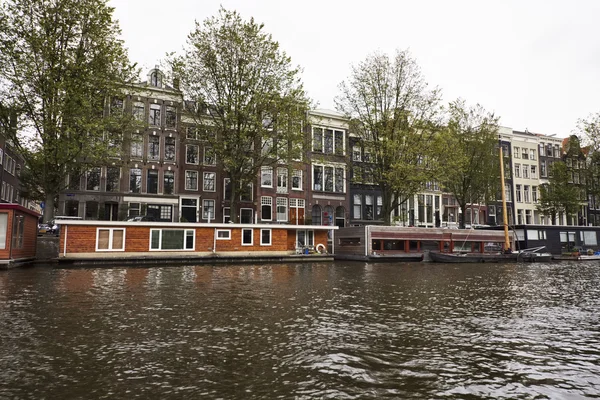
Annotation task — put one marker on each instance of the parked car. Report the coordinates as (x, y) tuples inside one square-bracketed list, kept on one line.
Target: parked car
[(43, 229), (141, 218)]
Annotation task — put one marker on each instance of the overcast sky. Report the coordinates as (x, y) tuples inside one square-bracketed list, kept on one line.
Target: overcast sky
[(534, 63)]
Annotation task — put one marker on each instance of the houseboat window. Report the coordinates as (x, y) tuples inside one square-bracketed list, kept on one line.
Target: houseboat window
[(247, 239), (3, 229), (393, 245), (223, 234), (589, 238), (305, 238), (172, 239), (18, 227), (265, 237), (351, 241), (110, 239), (430, 245), (414, 245)]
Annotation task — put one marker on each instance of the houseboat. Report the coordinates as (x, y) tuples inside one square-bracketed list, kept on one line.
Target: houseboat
[(119, 242), (394, 243), (18, 235)]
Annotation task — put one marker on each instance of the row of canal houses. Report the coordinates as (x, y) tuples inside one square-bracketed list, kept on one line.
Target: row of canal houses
[(166, 172)]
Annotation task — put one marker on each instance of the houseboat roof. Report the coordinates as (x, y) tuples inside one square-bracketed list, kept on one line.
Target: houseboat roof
[(196, 225)]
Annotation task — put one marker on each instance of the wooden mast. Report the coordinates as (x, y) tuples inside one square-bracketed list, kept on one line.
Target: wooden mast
[(504, 215)]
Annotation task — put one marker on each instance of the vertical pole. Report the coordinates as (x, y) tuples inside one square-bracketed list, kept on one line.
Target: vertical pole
[(504, 216)]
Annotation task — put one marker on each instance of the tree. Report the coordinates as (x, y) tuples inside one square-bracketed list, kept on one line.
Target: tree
[(60, 60), (473, 166), (589, 130), (249, 101), (559, 195), (398, 120)]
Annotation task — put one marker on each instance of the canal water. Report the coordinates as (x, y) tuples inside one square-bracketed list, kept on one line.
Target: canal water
[(302, 331)]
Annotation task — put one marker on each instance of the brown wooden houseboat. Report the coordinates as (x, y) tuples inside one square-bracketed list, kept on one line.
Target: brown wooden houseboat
[(18, 235)]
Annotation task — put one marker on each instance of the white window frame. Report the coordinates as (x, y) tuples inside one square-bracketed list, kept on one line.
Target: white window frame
[(185, 234), (226, 214), (251, 237), (270, 237), (214, 182), (110, 238), (185, 180), (266, 170), (251, 211), (281, 202), (322, 183), (282, 180), (204, 156), (197, 154), (214, 212), (356, 154), (266, 201), (227, 231)]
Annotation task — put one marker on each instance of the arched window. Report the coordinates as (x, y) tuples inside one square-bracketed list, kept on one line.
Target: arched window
[(340, 216), (155, 79), (316, 214)]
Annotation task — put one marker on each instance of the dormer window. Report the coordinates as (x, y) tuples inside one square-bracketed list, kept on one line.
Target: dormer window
[(155, 79)]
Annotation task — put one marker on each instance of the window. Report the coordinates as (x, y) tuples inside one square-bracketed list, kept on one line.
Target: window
[(156, 79), (525, 154), (113, 177), (543, 168), (247, 193), (3, 229), (519, 198), (328, 178), (266, 177), (356, 153), (282, 214), (191, 180), (116, 107), (93, 179), (137, 142), (169, 149), (267, 147), (356, 206), (379, 209), (318, 139), (168, 182), (247, 239), (209, 156), (191, 133), (226, 215), (526, 193), (533, 172), (246, 215), (153, 147), (297, 179), (191, 152), (526, 171), (209, 182), (208, 209), (110, 239), (154, 117), (517, 152), (223, 234), (138, 111), (265, 237), (266, 205), (534, 194), (172, 239), (517, 170), (170, 117), (18, 230), (369, 207), (316, 215), (91, 210), (282, 180), (339, 142), (532, 154), (556, 151), (507, 193), (305, 238), (152, 181), (135, 180)]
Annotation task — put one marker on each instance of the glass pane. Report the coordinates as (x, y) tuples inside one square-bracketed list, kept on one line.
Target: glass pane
[(172, 239), (117, 242), (154, 239), (103, 237)]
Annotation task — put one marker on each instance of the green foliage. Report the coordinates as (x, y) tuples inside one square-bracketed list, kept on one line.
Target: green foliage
[(60, 60), (249, 100), (559, 196), (472, 172), (398, 119)]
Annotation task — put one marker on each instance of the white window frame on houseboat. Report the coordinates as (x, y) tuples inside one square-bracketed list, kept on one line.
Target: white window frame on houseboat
[(225, 232), (186, 232), (110, 239), (262, 243), (251, 237), (309, 237)]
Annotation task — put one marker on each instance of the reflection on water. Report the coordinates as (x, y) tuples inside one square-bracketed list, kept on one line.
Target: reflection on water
[(339, 331)]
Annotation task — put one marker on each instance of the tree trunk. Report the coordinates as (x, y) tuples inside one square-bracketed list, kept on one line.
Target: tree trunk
[(461, 216), (233, 206), (49, 207)]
